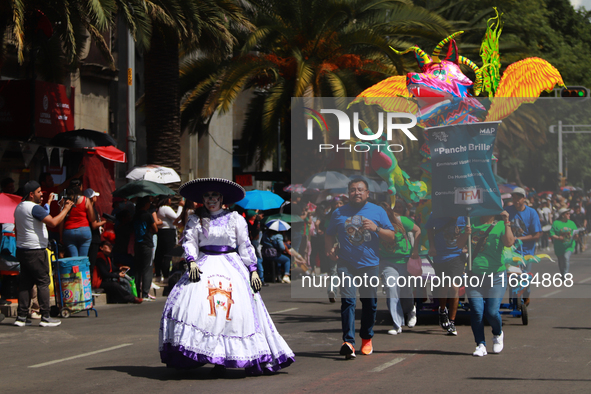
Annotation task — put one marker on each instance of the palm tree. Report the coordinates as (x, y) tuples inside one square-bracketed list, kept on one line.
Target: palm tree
[(302, 48), (53, 33), (187, 24)]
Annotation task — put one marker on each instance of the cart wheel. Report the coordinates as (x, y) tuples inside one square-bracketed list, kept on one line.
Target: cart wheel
[(524, 317), (65, 313), (518, 301)]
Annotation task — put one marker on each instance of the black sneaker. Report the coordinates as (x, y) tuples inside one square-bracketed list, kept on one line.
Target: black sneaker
[(451, 328), (22, 321), (443, 318), (49, 322)]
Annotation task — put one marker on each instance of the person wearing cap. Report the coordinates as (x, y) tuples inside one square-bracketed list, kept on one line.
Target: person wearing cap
[(95, 227), (215, 314), (562, 237), (31, 222), (525, 224)]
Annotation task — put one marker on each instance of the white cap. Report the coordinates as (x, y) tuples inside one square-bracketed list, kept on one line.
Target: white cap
[(89, 193), (519, 190)]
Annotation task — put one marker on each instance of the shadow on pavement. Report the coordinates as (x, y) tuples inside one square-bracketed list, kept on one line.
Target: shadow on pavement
[(526, 379), (164, 374), (572, 328)]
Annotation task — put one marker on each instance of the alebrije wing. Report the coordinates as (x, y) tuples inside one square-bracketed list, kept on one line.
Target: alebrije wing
[(522, 82), (390, 94)]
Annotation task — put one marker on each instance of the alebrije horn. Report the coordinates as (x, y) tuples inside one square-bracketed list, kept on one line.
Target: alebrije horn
[(422, 58), (478, 83), (440, 46)]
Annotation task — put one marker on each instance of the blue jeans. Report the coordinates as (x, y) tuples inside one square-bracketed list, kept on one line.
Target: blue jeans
[(486, 300), (368, 297), (564, 262), (77, 241), (283, 262), (400, 300), (260, 269)]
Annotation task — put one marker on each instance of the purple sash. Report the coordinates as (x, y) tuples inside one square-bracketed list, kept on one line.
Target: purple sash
[(216, 249)]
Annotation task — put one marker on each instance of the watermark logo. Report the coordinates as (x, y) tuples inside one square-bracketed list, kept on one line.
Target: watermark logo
[(387, 123)]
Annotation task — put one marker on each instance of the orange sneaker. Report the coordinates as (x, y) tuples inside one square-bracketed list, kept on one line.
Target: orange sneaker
[(348, 351), (366, 347)]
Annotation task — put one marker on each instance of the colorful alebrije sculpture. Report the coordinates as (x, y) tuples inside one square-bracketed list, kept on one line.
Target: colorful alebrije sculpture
[(443, 95)]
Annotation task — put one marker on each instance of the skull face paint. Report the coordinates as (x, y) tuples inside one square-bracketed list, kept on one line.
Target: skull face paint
[(212, 201)]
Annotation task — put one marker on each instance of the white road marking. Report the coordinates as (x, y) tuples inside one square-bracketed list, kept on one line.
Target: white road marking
[(80, 356), (551, 293), (585, 280), (285, 310), (390, 363)]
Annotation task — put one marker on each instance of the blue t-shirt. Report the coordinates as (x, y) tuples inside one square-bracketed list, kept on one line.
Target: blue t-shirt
[(358, 248), (524, 223), (447, 231), (39, 212)]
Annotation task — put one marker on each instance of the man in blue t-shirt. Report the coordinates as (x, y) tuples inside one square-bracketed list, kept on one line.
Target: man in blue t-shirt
[(448, 260), (525, 224), (358, 226)]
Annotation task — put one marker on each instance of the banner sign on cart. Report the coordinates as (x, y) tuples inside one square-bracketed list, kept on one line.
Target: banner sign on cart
[(461, 166)]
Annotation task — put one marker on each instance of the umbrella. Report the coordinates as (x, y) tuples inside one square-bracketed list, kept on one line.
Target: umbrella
[(154, 173), (505, 189), (8, 203), (286, 217), (82, 138), (278, 225), (327, 180), (141, 189), (294, 188), (110, 153), (260, 199)]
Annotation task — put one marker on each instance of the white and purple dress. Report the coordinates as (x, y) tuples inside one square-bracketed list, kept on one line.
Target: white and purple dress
[(219, 319)]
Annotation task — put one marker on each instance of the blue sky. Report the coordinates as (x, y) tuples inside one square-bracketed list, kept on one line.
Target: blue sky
[(584, 3)]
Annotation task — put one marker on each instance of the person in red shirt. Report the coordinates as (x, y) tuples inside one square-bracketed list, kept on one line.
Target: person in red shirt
[(75, 231)]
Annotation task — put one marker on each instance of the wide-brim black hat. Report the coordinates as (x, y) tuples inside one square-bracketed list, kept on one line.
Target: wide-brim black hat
[(194, 190)]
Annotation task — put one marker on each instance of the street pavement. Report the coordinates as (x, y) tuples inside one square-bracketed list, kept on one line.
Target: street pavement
[(118, 351)]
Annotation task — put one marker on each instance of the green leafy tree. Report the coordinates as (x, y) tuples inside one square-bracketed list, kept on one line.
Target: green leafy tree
[(53, 33), (302, 48)]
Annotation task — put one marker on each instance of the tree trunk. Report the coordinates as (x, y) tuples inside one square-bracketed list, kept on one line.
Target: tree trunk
[(162, 102)]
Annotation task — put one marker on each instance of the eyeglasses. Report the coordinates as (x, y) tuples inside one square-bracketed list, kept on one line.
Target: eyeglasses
[(211, 195), (354, 190)]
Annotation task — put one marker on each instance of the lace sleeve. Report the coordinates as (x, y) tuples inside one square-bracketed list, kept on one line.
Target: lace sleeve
[(191, 238), (245, 248)]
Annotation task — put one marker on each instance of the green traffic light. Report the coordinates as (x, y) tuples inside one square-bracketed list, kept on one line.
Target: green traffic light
[(581, 94)]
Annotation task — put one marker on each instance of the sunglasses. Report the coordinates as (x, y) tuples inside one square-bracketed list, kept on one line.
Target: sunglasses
[(211, 195)]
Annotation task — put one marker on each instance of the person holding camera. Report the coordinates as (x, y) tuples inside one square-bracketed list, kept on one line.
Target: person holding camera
[(75, 230), (31, 221)]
